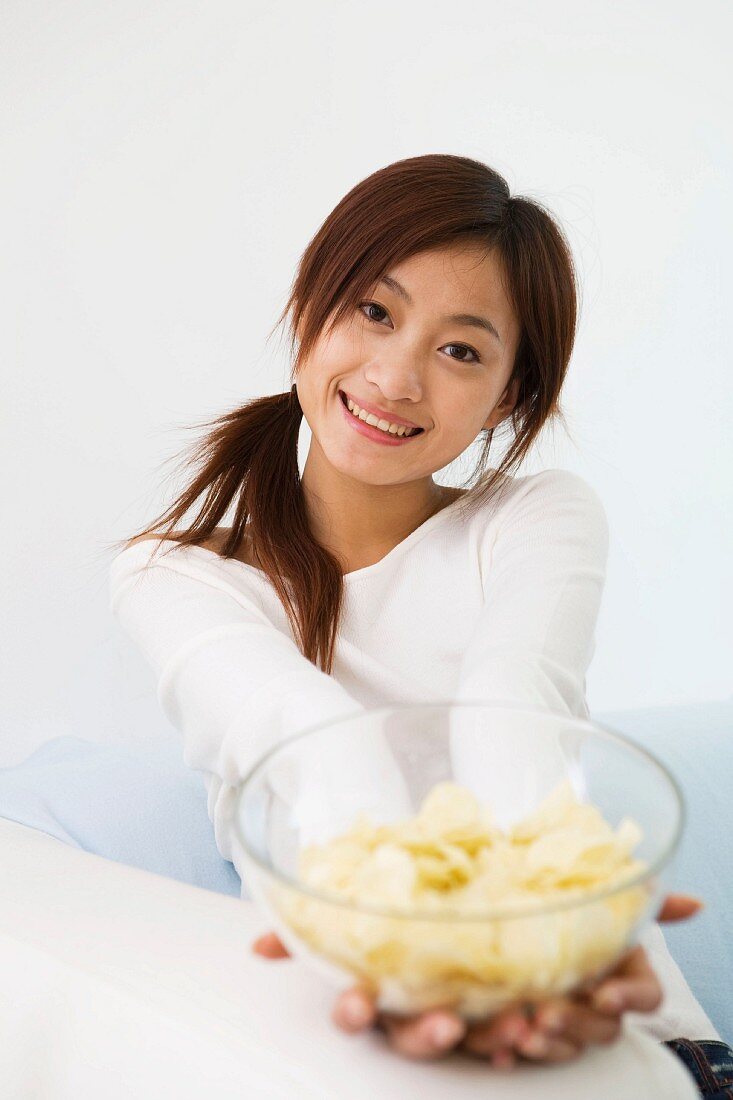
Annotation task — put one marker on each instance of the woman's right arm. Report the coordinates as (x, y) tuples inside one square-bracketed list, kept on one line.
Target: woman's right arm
[(227, 678)]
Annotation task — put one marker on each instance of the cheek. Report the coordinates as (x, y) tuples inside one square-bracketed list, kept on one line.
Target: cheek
[(336, 353), (462, 423)]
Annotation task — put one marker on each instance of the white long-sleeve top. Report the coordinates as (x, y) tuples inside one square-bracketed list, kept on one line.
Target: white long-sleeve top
[(496, 605)]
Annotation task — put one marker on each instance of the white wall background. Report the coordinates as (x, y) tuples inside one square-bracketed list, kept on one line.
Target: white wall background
[(165, 163)]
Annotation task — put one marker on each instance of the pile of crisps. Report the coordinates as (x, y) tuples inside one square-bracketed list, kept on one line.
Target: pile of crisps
[(451, 861)]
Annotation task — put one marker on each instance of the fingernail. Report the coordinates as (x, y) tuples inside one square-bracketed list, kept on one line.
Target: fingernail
[(446, 1031), (355, 1013), (553, 1020), (536, 1045), (517, 1031)]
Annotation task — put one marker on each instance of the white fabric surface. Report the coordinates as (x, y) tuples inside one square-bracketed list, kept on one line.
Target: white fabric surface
[(122, 984), (499, 605)]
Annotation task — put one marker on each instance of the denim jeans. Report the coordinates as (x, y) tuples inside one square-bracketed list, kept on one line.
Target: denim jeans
[(711, 1064)]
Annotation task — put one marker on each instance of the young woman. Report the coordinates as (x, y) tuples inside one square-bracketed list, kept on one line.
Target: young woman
[(430, 309)]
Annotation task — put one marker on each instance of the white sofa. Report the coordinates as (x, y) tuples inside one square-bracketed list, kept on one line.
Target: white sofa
[(121, 984)]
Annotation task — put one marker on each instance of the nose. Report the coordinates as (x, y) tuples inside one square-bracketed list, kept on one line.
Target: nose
[(396, 379)]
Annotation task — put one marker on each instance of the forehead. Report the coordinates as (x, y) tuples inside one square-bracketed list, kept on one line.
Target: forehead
[(464, 278)]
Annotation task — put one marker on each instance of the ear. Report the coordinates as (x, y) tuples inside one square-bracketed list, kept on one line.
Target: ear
[(506, 403)]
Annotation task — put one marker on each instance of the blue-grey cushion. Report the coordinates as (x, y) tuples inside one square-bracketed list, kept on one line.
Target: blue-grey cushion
[(695, 742), (135, 804)]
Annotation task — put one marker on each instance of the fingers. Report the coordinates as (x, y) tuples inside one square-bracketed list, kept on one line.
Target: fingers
[(427, 1036), (679, 907), (270, 946), (509, 1035), (633, 986), (535, 1046)]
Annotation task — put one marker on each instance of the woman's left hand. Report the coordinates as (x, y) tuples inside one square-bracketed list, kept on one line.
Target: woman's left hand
[(559, 1031)]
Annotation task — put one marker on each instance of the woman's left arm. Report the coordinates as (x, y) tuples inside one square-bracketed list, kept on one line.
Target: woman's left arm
[(543, 563)]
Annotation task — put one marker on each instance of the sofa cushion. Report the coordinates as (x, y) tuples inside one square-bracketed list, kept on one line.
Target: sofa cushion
[(135, 804)]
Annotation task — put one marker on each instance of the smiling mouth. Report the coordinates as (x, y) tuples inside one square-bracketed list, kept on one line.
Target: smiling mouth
[(405, 435)]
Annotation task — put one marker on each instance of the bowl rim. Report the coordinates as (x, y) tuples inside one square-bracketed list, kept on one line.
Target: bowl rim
[(498, 912)]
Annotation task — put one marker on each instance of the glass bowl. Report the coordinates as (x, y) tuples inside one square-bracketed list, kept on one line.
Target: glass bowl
[(382, 763)]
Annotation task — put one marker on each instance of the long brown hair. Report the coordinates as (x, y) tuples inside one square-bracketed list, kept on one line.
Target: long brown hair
[(250, 455)]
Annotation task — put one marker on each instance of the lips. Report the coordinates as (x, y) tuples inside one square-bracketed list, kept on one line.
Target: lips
[(368, 431), (415, 429)]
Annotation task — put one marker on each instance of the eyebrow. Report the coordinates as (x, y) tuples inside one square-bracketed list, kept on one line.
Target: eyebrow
[(456, 318)]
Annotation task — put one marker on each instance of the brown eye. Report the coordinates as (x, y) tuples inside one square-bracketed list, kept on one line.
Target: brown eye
[(464, 347), (372, 305)]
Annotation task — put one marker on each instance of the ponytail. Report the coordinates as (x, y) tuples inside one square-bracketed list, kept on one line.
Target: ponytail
[(250, 458)]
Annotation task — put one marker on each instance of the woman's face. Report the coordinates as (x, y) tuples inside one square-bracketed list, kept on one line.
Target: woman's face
[(402, 354)]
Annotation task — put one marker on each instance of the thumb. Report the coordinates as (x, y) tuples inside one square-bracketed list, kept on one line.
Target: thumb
[(679, 907), (270, 946)]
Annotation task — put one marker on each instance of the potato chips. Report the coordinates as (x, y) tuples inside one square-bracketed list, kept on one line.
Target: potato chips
[(452, 865)]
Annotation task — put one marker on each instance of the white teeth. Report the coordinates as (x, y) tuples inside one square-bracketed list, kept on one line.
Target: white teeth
[(383, 425)]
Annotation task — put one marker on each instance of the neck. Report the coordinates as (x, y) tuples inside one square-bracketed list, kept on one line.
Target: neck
[(360, 523)]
